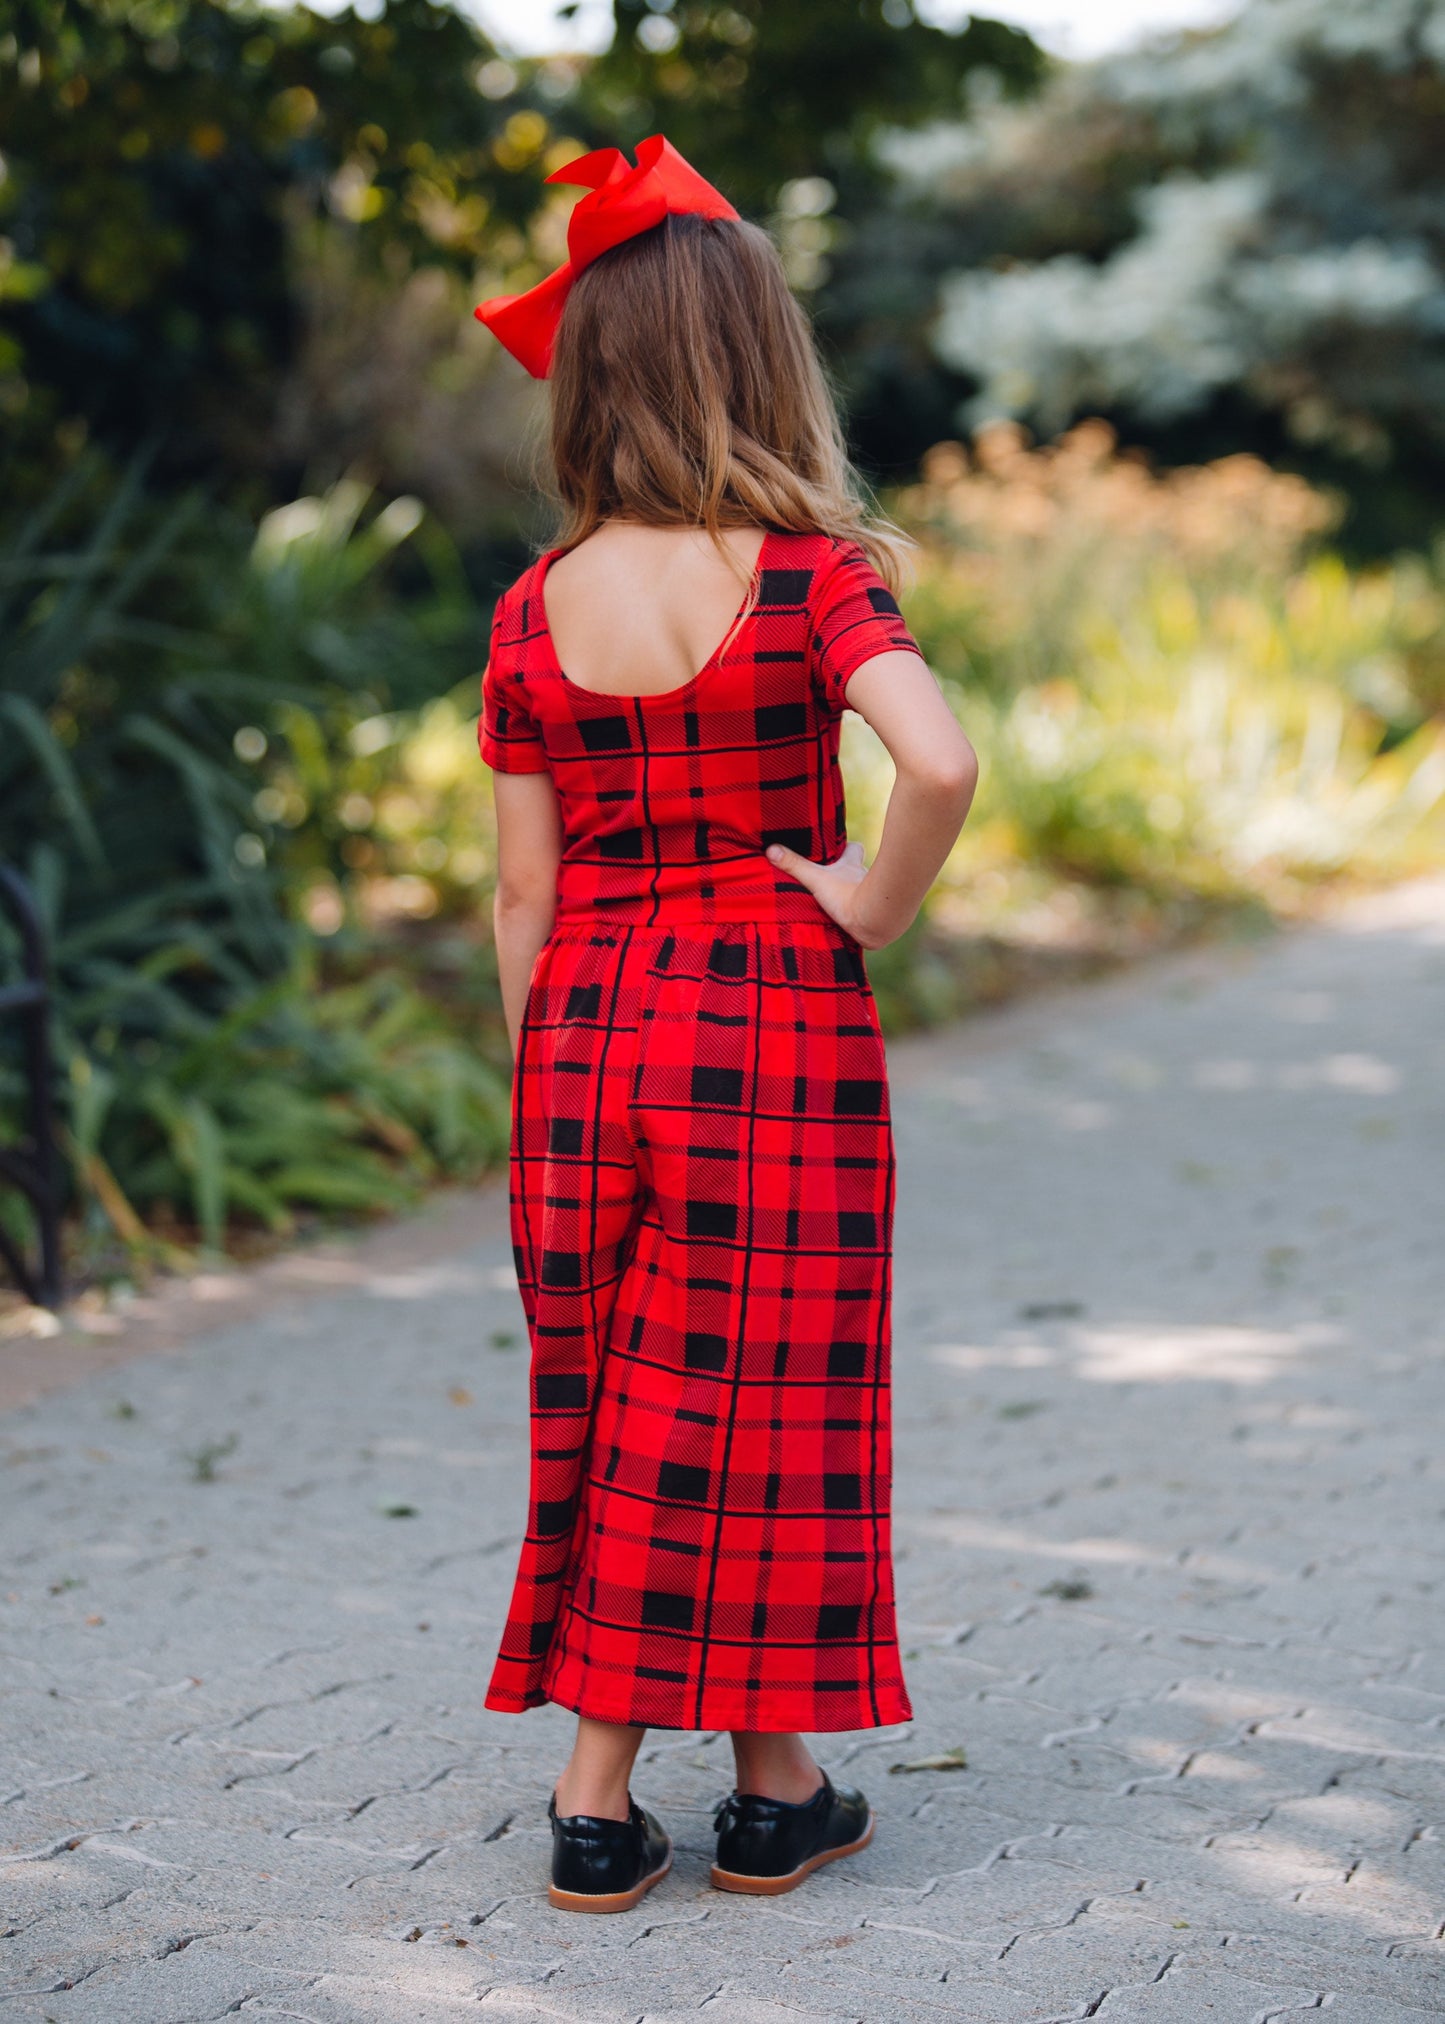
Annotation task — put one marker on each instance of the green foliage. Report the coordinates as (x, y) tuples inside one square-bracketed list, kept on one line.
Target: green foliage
[(214, 1071), (1178, 695), (218, 217), (1238, 234), (159, 158), (1172, 769), (340, 1099), (146, 662), (763, 95), (350, 663)]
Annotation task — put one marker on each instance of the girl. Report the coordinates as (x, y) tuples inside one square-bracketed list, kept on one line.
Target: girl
[(702, 1168)]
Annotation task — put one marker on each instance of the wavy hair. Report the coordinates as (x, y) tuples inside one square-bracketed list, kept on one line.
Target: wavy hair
[(687, 391)]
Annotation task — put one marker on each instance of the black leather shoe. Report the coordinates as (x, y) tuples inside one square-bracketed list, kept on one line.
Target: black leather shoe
[(766, 1846), (601, 1865)]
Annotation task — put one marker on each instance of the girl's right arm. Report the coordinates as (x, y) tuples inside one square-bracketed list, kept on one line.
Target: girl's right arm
[(529, 852)]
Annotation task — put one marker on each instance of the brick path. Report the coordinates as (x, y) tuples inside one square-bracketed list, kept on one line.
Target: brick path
[(1169, 1499)]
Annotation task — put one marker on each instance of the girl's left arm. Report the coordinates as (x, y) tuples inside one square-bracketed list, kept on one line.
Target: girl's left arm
[(529, 851), (937, 772)]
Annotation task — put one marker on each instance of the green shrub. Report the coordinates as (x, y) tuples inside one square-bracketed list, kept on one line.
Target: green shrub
[(1177, 694), (215, 1070)]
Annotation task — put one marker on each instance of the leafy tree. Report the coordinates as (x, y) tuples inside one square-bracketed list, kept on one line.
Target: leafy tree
[(1241, 231), (760, 95), (160, 157), (213, 212)]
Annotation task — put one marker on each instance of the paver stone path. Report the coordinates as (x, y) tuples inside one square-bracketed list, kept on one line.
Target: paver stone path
[(1169, 1511)]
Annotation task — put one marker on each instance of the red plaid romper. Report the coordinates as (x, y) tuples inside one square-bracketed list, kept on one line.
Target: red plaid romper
[(702, 1181)]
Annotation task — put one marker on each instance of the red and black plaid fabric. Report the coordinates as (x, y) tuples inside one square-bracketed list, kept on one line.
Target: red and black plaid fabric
[(702, 1181), (668, 800)]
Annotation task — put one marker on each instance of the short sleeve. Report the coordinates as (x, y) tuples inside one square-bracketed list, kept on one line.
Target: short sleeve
[(854, 616), (507, 734)]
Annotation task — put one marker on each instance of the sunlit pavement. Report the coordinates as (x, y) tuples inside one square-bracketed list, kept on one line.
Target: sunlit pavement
[(1168, 1497)]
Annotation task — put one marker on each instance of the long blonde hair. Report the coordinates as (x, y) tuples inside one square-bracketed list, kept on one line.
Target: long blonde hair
[(687, 390)]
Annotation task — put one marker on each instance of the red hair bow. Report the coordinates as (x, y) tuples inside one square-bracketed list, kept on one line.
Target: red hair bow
[(621, 202)]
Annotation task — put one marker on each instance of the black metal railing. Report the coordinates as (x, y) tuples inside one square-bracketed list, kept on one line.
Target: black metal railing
[(33, 1168)]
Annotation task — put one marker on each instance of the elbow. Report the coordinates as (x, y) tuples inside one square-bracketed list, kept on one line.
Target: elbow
[(949, 774), (523, 900)]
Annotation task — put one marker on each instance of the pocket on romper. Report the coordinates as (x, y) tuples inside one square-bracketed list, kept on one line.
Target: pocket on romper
[(523, 1058)]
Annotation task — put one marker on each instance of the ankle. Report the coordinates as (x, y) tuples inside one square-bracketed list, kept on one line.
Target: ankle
[(788, 1773), (791, 1791), (602, 1801)]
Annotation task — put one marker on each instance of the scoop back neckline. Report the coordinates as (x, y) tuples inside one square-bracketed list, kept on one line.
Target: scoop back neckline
[(544, 563)]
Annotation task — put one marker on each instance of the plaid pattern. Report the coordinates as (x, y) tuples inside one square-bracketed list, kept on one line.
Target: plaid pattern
[(702, 1181), (669, 800), (702, 1198)]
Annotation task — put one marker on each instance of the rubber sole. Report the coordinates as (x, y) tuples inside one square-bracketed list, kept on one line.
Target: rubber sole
[(774, 1886), (612, 1901)]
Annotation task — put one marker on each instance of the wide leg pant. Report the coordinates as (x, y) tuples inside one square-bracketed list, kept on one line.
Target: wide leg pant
[(702, 1180)]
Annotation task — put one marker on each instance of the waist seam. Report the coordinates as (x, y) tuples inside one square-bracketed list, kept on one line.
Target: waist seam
[(700, 924)]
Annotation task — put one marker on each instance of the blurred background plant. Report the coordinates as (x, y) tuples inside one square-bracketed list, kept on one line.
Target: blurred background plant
[(180, 793), (264, 476), (1218, 240), (1194, 713)]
